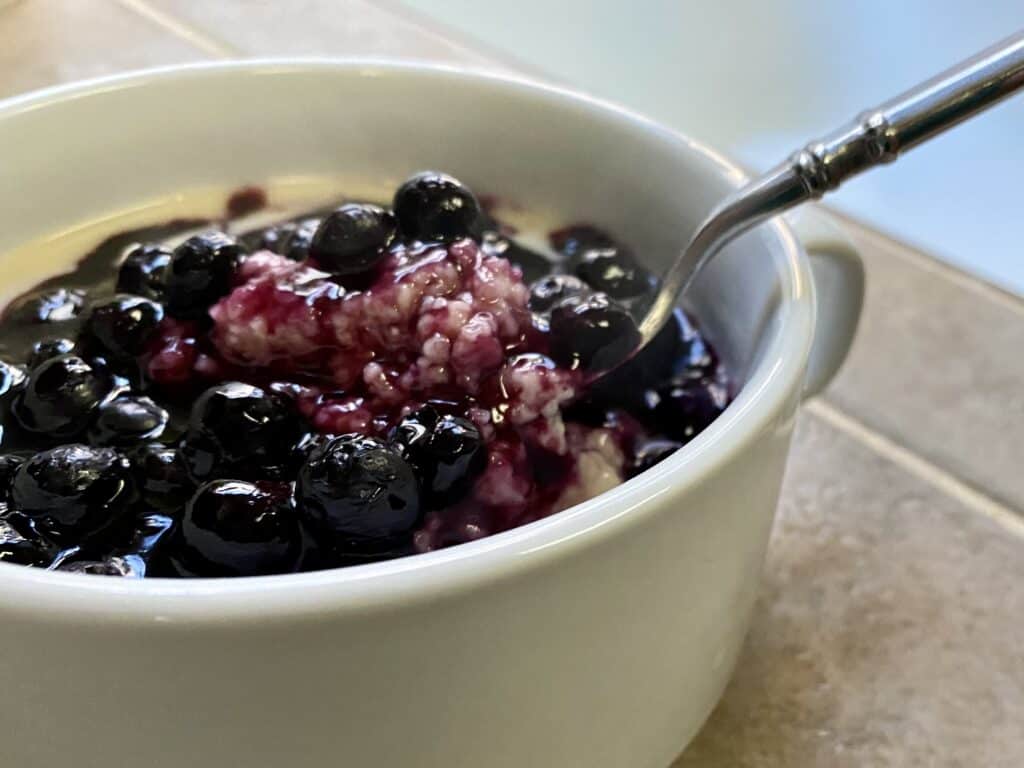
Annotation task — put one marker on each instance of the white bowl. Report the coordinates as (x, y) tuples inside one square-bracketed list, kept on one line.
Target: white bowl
[(600, 637)]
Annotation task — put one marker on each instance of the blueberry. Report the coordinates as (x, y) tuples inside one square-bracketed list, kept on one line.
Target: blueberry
[(21, 549), (305, 445), (46, 349), (121, 328), (650, 453), (238, 528), (447, 452), (12, 378), (266, 239), (592, 333), (59, 305), (549, 291), (532, 264), (150, 533), (144, 272), (125, 566), (269, 239), (652, 367), (693, 358), (161, 476), (61, 396), (296, 239), (127, 421), (353, 239), (149, 536), (434, 206), (9, 464), (238, 430), (612, 271), (12, 383), (72, 492), (200, 274), (359, 493), (683, 410), (577, 238), (291, 239)]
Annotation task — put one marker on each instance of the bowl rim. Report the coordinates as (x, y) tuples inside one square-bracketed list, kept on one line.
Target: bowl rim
[(772, 384)]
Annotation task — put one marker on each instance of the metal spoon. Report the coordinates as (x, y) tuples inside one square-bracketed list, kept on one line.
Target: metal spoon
[(876, 137)]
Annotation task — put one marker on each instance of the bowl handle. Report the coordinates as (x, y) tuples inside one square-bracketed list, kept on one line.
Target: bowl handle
[(838, 290)]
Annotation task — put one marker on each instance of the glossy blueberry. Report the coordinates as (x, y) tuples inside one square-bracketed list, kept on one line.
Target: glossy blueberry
[(446, 451), (120, 328), (532, 264), (61, 396), (46, 349), (592, 333), (125, 566), (58, 305), (9, 464), (693, 357), (650, 453), (13, 379), (12, 383), (144, 272), (127, 421), (612, 271), (573, 240), (353, 239), (238, 430), (149, 536), (72, 492), (549, 291), (200, 274), (22, 548), (627, 386), (305, 445), (359, 493), (684, 409), (293, 239), (238, 528), (433, 206), (150, 533), (161, 476)]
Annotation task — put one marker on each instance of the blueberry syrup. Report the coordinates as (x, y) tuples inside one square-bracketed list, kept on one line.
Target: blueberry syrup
[(353, 384)]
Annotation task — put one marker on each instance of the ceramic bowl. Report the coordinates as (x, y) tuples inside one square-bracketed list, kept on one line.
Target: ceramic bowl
[(601, 636)]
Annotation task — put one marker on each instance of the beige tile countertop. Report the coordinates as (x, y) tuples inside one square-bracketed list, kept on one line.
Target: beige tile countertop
[(888, 629)]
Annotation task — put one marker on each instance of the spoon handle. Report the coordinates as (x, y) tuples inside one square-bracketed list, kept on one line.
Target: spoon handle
[(876, 137), (882, 134)]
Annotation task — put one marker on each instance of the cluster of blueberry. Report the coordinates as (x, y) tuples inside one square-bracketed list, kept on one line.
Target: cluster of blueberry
[(105, 470), (111, 484)]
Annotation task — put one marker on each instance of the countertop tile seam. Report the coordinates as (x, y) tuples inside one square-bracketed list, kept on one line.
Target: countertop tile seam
[(197, 38), (1008, 518)]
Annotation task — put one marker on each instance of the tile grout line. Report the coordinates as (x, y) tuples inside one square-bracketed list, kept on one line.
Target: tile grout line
[(919, 467), (186, 32)]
